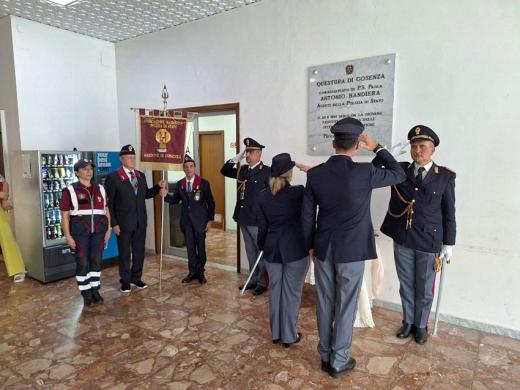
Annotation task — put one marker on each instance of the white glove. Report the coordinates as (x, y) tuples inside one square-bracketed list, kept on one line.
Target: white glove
[(446, 252), (238, 157), (399, 149)]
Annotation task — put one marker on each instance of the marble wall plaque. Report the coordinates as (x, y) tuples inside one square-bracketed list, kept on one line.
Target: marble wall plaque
[(362, 88)]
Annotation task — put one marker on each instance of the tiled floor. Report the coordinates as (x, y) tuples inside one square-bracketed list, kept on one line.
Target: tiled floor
[(178, 336), (221, 247)]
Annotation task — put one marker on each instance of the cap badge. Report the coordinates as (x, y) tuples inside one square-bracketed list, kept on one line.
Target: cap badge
[(247, 142), (417, 130)]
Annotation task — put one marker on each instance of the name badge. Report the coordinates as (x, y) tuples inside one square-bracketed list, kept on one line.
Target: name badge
[(197, 195)]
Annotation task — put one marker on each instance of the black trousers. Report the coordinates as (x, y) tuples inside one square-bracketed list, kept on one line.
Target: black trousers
[(131, 244), (196, 246)]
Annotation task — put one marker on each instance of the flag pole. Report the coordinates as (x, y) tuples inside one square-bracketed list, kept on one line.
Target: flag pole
[(164, 96)]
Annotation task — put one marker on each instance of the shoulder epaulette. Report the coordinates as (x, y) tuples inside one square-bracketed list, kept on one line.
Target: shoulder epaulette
[(449, 170)]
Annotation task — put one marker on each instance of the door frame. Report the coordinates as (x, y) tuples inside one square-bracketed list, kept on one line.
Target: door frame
[(217, 132), (157, 175)]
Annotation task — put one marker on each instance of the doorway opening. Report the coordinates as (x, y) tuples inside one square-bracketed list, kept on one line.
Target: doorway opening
[(213, 132)]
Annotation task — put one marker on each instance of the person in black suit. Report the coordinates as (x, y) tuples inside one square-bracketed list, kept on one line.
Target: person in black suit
[(342, 236), (421, 221), (127, 191), (280, 236), (252, 178), (198, 210)]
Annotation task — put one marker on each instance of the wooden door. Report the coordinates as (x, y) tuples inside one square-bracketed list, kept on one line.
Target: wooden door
[(211, 147)]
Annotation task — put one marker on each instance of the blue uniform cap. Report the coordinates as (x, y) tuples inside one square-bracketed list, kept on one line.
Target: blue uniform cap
[(347, 128), (421, 132)]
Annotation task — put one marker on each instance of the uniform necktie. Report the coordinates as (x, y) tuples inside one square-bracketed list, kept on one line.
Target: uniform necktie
[(189, 186), (419, 177), (133, 180)]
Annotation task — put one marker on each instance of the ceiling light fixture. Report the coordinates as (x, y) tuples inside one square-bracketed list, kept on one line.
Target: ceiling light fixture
[(63, 2)]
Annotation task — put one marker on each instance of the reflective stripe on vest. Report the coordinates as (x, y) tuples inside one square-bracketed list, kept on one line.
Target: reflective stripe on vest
[(75, 204)]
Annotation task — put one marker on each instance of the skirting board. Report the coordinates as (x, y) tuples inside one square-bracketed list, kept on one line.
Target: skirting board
[(494, 329)]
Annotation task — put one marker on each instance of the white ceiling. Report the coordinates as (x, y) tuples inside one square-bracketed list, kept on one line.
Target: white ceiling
[(117, 20)]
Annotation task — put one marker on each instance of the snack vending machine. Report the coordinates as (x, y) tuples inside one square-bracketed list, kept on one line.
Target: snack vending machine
[(38, 217)]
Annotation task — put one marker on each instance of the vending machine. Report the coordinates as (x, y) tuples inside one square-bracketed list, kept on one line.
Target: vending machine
[(38, 217)]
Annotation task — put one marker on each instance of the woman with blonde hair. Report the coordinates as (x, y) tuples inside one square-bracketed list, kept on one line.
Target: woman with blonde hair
[(280, 236), (10, 250)]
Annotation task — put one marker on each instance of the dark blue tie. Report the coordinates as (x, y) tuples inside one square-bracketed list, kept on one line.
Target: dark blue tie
[(419, 177)]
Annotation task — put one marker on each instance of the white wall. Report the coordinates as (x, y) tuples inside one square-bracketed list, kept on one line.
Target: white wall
[(457, 71), (66, 86), (8, 99)]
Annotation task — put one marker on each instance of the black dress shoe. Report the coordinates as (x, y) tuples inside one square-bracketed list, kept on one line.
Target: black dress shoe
[(188, 278), (298, 339), (276, 341), (405, 330), (97, 298), (259, 290), (202, 279), (87, 300), (140, 284), (250, 286), (125, 287), (349, 366), (421, 336), (325, 366)]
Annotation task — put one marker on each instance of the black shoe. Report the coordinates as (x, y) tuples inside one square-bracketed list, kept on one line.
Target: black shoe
[(349, 366), (202, 279), (276, 341), (87, 300), (188, 278), (298, 339), (325, 366), (140, 284), (250, 286), (125, 287), (421, 335), (405, 330), (97, 298), (259, 290)]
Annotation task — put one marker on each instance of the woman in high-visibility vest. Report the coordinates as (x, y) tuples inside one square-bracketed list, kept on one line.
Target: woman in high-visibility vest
[(86, 225), (10, 250)]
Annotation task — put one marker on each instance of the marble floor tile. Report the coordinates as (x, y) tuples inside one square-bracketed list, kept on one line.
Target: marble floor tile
[(192, 336)]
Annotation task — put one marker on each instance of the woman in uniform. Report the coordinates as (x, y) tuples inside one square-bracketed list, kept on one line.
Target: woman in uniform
[(86, 225), (280, 236)]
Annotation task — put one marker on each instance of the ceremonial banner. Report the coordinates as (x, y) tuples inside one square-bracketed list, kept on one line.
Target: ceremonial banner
[(162, 139)]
